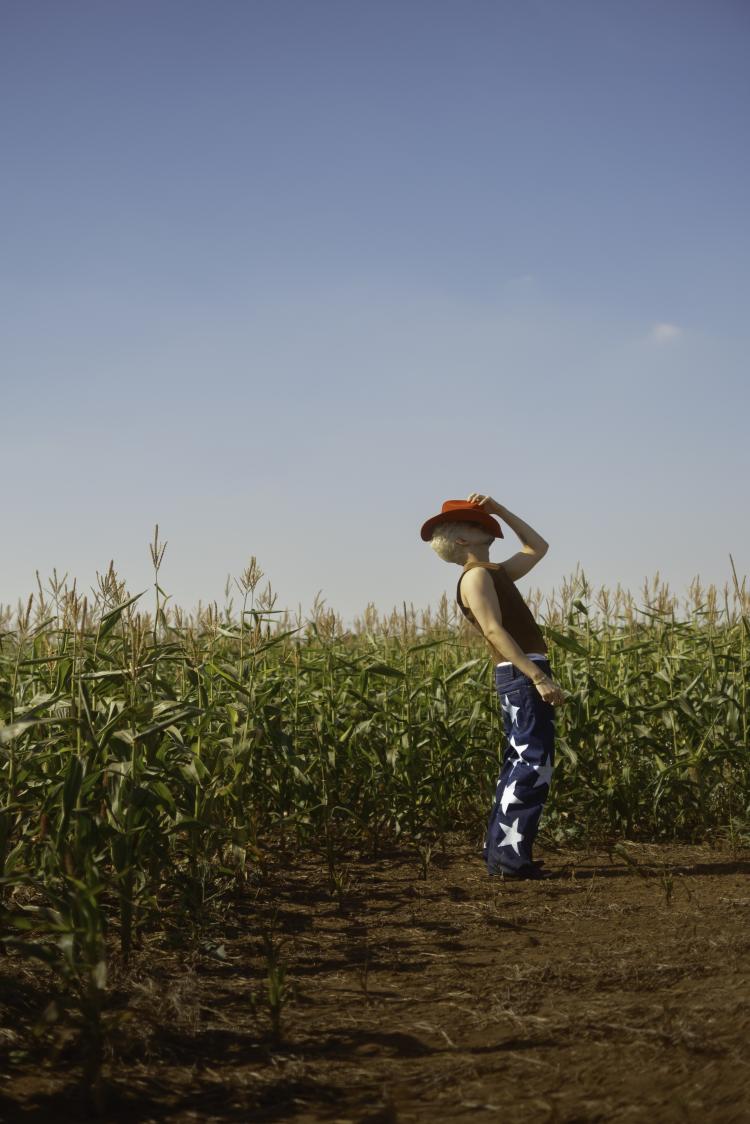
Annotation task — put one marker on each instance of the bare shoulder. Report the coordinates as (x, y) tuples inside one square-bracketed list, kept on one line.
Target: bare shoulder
[(479, 593), (477, 585), (476, 578)]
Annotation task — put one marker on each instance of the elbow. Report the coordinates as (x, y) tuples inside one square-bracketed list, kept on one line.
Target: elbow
[(537, 550)]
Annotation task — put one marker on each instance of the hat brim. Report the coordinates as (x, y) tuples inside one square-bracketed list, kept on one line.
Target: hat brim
[(462, 515)]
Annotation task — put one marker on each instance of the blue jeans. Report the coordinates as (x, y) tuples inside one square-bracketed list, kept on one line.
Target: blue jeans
[(526, 769)]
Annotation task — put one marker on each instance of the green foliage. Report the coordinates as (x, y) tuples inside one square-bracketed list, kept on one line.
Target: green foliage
[(141, 756)]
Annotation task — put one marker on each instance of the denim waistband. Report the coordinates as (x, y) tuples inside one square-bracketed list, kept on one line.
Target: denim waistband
[(507, 671), (529, 655)]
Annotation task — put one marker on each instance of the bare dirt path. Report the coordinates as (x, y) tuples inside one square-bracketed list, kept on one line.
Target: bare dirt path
[(619, 991)]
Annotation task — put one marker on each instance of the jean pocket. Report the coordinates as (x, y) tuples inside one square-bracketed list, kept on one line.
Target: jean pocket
[(512, 684)]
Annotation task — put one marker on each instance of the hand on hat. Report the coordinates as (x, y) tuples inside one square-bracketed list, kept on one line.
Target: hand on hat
[(485, 502)]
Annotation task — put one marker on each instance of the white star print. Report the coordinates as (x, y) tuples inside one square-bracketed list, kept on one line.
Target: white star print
[(508, 706), (509, 797), (519, 750), (512, 836), (545, 773)]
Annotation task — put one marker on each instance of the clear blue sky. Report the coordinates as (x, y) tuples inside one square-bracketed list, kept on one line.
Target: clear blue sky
[(283, 276)]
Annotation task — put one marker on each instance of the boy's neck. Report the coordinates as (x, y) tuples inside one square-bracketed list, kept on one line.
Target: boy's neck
[(477, 556)]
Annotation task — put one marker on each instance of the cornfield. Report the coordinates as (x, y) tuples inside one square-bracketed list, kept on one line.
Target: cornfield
[(149, 757)]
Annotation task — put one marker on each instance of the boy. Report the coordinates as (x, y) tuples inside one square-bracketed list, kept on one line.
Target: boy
[(486, 594)]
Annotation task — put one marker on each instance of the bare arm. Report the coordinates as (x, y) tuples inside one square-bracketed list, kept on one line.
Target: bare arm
[(534, 547), (479, 593)]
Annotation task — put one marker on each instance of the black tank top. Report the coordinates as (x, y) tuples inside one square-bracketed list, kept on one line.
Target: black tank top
[(518, 619)]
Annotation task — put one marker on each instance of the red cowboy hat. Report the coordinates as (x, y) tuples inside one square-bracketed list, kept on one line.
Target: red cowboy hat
[(461, 511)]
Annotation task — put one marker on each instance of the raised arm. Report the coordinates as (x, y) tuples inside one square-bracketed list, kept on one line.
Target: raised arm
[(534, 547)]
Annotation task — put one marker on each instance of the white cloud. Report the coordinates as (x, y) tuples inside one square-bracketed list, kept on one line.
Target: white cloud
[(665, 333)]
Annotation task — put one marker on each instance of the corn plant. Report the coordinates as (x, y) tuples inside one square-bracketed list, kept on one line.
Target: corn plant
[(138, 751)]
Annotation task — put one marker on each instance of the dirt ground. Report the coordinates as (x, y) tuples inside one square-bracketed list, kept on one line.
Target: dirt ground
[(617, 991)]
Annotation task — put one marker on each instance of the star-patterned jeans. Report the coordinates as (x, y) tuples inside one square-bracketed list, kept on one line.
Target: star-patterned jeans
[(526, 769)]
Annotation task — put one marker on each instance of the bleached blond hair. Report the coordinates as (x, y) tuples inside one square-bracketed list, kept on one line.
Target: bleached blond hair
[(443, 540)]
